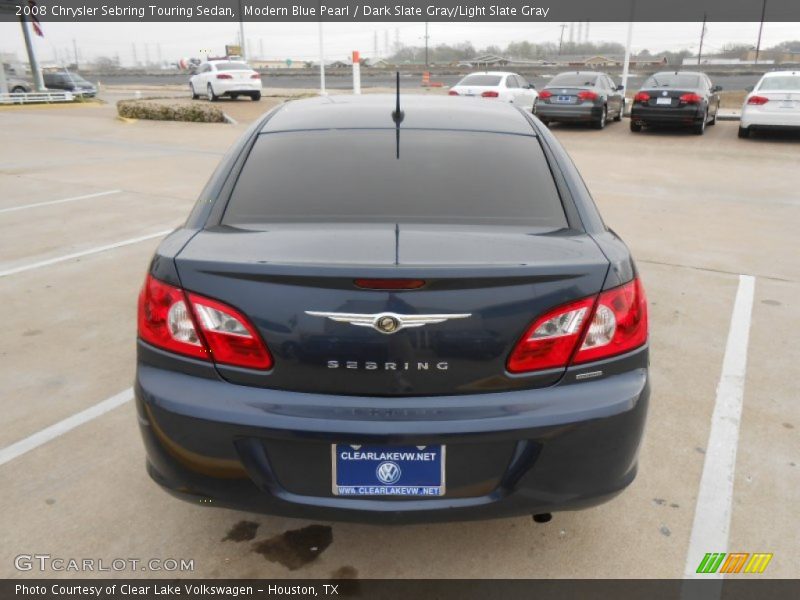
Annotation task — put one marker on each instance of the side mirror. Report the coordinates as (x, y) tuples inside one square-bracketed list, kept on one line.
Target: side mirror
[(716, 88), (531, 86), (620, 87)]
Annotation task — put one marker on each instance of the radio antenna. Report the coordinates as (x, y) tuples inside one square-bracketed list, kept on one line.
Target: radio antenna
[(397, 117)]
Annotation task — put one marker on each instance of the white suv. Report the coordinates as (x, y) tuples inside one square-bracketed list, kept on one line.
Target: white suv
[(231, 78)]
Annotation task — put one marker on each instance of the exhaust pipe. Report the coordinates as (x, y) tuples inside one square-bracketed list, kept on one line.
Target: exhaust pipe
[(543, 518)]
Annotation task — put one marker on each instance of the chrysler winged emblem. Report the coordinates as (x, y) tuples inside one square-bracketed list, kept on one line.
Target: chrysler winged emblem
[(387, 322)]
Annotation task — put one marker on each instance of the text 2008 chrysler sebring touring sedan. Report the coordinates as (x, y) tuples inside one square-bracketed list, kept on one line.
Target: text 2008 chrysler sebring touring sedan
[(389, 316)]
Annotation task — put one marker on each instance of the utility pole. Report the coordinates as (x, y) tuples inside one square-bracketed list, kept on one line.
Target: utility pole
[(426, 45), (158, 51), (626, 65), (135, 60), (760, 28), (241, 32), (321, 64), (561, 39), (702, 36), (75, 50), (35, 70)]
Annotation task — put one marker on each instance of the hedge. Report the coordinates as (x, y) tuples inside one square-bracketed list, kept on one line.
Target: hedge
[(160, 111)]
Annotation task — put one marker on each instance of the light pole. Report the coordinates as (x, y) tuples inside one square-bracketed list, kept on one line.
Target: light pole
[(242, 49)]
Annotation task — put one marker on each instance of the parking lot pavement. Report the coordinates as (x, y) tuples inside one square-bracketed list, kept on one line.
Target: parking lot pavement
[(696, 211)]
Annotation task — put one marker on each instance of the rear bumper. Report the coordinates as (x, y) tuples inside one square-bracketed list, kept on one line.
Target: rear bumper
[(565, 447), (222, 88), (653, 115), (770, 120), (577, 112)]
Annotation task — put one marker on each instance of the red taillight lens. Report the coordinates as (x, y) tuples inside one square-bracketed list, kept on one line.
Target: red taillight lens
[(618, 325), (544, 94), (691, 99), (452, 93), (642, 97), (757, 100), (551, 340), (170, 319), (224, 76), (587, 95), (165, 320), (255, 76), (489, 94), (390, 284), (611, 324), (231, 338)]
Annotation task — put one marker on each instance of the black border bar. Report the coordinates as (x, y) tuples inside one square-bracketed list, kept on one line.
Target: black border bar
[(556, 11)]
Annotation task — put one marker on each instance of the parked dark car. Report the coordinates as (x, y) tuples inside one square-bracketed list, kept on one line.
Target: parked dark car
[(682, 98), (70, 82), (585, 96), (356, 323)]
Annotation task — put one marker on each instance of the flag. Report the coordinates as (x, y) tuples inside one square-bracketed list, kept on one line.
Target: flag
[(37, 27)]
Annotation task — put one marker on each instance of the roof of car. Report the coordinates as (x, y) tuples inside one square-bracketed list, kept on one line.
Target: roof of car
[(374, 111), (490, 73), (781, 73)]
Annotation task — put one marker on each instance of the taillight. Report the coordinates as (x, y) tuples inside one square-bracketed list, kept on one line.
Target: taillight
[(390, 284), (231, 338), (165, 320), (551, 340), (255, 76), (587, 95), (691, 99), (757, 100), (452, 93), (612, 323), (198, 327), (224, 76), (618, 325), (489, 94), (545, 94), (642, 97)]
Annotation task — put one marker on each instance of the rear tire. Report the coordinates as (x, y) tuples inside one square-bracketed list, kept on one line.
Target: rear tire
[(621, 112), (636, 127), (195, 95), (601, 122), (700, 128), (19, 90), (212, 97), (255, 97), (744, 132)]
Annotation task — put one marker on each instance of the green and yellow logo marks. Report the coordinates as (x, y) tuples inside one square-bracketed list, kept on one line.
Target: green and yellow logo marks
[(735, 562)]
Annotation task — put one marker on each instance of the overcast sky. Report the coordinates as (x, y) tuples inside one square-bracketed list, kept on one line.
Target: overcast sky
[(299, 40)]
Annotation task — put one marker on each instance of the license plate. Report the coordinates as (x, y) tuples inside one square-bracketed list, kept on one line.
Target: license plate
[(564, 99), (787, 104), (663, 100), (371, 470)]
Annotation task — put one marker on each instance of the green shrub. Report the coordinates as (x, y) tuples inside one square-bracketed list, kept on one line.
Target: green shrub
[(162, 111)]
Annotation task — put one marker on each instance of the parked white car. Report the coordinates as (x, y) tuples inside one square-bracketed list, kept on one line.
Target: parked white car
[(232, 78), (773, 104), (501, 85)]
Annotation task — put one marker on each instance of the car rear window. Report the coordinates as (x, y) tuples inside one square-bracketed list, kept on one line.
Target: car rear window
[(355, 176), (232, 66), (673, 80), (486, 80), (780, 82), (573, 79)]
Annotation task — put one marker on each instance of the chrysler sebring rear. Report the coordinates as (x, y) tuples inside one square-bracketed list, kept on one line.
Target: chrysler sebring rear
[(393, 316)]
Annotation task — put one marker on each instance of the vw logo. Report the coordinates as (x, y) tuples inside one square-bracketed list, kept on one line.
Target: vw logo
[(386, 324), (388, 473), (663, 93)]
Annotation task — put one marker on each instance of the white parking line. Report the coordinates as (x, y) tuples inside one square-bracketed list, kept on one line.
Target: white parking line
[(58, 259), (21, 447), (62, 201), (712, 517)]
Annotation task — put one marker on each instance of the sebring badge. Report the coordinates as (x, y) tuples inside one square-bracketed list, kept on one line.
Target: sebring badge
[(386, 322)]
